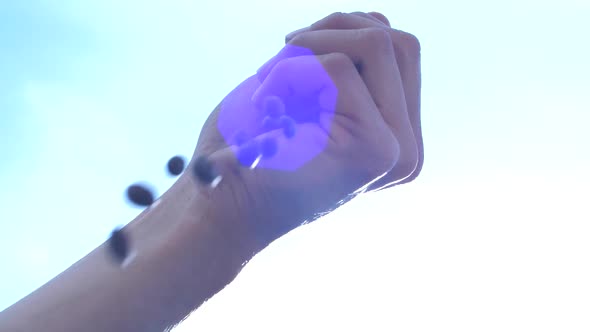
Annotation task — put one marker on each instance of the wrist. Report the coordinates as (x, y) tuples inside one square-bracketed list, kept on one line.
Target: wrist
[(202, 256), (195, 258), (212, 217), (226, 209)]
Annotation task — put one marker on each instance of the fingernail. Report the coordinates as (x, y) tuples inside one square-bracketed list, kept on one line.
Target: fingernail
[(291, 35)]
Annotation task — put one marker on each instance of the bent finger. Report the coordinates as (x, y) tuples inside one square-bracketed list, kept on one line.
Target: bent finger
[(371, 50), (407, 51)]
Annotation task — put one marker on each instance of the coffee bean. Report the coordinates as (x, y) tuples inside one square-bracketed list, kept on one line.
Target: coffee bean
[(175, 165), (288, 125), (118, 245), (274, 106), (203, 170), (140, 195), (268, 147)]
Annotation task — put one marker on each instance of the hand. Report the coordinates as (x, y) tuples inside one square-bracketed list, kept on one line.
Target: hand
[(407, 65), (370, 133), (354, 101)]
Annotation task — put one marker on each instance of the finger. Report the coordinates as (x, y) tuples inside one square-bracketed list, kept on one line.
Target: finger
[(307, 77), (341, 94), (238, 118), (372, 49), (381, 18), (290, 171), (284, 53), (343, 21), (408, 57), (336, 21), (292, 34), (306, 88), (370, 17), (407, 49), (351, 149)]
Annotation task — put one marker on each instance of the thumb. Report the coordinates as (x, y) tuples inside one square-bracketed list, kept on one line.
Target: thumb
[(276, 153)]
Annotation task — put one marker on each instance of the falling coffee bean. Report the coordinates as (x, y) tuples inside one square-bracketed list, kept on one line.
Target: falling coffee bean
[(118, 245), (140, 195), (268, 147), (175, 165), (203, 170), (288, 125)]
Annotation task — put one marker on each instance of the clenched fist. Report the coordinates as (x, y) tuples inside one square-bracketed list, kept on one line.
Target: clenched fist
[(347, 92), (335, 112)]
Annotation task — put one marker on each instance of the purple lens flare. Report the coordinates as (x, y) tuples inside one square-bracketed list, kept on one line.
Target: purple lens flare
[(268, 147), (270, 123), (240, 139), (274, 107), (284, 112), (281, 126), (204, 171), (248, 153), (288, 126)]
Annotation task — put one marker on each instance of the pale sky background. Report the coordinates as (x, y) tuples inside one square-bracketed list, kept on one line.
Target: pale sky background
[(493, 236)]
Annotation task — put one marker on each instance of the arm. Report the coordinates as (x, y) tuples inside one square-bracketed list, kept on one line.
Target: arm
[(196, 240), (183, 258)]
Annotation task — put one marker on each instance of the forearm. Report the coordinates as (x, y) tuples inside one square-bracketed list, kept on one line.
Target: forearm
[(183, 259)]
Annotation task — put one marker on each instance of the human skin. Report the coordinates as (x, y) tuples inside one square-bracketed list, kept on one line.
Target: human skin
[(197, 239)]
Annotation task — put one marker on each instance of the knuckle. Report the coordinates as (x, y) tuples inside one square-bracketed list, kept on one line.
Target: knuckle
[(337, 62), (298, 40), (406, 168), (376, 37), (336, 18), (282, 66), (376, 159), (373, 17), (384, 159), (408, 164), (411, 44), (390, 153)]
